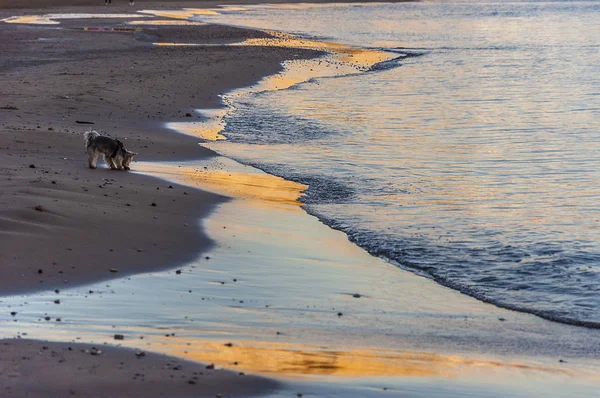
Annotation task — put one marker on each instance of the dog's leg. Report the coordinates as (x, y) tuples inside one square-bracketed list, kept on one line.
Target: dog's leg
[(109, 162), (92, 157), (118, 160)]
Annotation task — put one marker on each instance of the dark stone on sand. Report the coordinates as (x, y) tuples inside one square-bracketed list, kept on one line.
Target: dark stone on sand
[(170, 186), (228, 344), (188, 115), (178, 272), (83, 122), (191, 382), (57, 291), (119, 337), (501, 319), (32, 166), (40, 271), (356, 295), (339, 314), (56, 301), (211, 366), (13, 313), (40, 208), (95, 352), (114, 270), (47, 318), (153, 204)]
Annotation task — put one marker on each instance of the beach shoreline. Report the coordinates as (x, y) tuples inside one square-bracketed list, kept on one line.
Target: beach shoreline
[(439, 320)]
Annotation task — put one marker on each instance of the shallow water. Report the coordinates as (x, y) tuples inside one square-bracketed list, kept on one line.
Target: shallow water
[(475, 163)]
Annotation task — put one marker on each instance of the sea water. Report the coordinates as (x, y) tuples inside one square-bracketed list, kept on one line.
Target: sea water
[(474, 163)]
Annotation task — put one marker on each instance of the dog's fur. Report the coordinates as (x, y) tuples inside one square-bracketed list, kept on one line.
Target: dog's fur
[(115, 154)]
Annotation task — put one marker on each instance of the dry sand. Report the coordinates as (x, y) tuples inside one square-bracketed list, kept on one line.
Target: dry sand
[(62, 224), (34, 369)]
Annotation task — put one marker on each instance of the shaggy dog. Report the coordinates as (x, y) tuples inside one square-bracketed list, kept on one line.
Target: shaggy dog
[(115, 154)]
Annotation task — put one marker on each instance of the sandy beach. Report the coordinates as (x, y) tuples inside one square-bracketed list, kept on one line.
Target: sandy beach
[(112, 247), (62, 224)]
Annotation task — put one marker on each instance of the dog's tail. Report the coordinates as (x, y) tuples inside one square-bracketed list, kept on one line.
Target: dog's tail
[(89, 136)]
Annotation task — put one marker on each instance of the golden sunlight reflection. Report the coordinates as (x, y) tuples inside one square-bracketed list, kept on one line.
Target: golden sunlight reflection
[(343, 59), (244, 183), (50, 19), (286, 359), (166, 22), (359, 57), (185, 13), (208, 128)]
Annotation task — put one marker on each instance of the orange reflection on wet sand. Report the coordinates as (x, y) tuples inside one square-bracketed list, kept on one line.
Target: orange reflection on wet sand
[(247, 183), (50, 19), (295, 360), (360, 57), (166, 22), (206, 130), (185, 13)]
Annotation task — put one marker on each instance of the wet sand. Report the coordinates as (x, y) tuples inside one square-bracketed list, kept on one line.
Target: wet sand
[(62, 224)]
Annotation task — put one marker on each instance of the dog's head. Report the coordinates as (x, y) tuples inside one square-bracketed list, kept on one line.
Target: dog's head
[(127, 158)]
